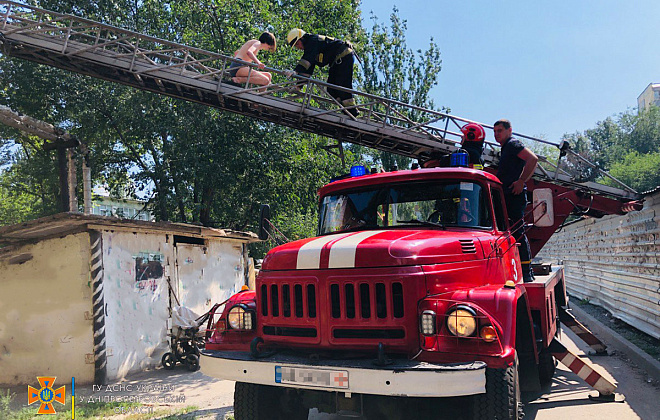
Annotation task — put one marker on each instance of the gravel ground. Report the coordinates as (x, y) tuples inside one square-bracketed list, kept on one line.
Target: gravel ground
[(642, 340)]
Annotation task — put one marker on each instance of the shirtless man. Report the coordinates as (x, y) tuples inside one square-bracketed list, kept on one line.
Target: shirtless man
[(248, 52)]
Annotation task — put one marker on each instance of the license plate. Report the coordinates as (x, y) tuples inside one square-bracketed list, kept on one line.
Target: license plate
[(311, 377)]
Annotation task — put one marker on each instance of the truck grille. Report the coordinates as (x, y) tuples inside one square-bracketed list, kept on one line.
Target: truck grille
[(290, 331), (367, 300), (302, 303), (359, 311), (364, 300)]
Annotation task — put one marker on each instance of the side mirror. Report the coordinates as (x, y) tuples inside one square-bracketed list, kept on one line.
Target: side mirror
[(264, 222), (542, 203)]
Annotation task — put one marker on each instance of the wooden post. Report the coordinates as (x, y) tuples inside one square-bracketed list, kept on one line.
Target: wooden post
[(63, 175), (87, 186), (72, 178)]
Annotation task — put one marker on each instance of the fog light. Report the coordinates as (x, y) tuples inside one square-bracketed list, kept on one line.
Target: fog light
[(488, 333), (247, 320), (462, 322), (427, 323)]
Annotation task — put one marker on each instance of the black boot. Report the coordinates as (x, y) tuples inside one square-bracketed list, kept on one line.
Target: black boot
[(352, 111)]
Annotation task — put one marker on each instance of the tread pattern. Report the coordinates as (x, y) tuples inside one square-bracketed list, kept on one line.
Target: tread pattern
[(251, 402), (547, 366), (502, 398)]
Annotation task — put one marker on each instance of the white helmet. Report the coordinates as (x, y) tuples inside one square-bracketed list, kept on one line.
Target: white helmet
[(294, 35)]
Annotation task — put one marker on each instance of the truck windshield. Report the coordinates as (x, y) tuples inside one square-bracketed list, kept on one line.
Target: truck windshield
[(445, 204)]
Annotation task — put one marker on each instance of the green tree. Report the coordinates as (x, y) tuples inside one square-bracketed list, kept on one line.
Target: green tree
[(197, 164), (624, 145), (639, 171), (28, 183)]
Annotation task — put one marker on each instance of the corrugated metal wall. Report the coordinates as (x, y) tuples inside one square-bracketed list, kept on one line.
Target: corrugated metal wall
[(614, 262)]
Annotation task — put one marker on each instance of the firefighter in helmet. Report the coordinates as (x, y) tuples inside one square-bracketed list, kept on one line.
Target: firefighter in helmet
[(473, 142), (321, 50)]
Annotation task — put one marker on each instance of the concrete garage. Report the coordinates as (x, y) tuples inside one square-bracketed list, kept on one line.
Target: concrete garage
[(90, 296)]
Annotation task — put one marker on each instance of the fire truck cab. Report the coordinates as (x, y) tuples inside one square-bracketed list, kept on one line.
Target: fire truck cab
[(413, 288)]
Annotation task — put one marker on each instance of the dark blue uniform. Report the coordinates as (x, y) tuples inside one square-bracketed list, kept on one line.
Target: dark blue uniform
[(320, 50), (508, 171)]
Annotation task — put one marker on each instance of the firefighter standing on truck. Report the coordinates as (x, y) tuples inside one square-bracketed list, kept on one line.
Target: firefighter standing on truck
[(516, 167), (321, 50)]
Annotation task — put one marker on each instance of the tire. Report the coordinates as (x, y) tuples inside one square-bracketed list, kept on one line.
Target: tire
[(192, 361), (502, 399), (168, 361), (291, 406), (547, 366), (254, 402), (297, 413)]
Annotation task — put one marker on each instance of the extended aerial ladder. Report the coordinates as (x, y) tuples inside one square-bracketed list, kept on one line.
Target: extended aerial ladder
[(147, 63)]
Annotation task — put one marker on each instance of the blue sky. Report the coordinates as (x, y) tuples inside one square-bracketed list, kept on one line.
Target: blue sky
[(551, 67)]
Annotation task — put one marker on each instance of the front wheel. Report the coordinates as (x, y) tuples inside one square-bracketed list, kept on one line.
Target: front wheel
[(502, 400), (168, 361), (193, 362), (253, 402), (547, 366)]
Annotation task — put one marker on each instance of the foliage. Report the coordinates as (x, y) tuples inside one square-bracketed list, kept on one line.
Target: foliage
[(626, 145), (576, 166), (28, 186), (5, 402), (640, 171), (83, 411), (194, 163), (614, 138), (198, 164)]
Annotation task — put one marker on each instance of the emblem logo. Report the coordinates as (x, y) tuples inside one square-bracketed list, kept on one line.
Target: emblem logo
[(46, 395)]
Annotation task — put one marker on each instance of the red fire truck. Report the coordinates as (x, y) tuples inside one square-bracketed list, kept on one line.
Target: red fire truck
[(412, 291)]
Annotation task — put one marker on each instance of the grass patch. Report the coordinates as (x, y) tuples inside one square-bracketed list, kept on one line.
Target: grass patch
[(181, 413), (83, 411), (93, 410), (5, 402)]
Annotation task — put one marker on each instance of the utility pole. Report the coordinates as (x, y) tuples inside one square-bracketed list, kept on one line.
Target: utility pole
[(66, 171)]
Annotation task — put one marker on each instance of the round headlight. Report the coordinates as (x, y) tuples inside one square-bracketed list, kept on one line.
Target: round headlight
[(235, 318), (461, 322)]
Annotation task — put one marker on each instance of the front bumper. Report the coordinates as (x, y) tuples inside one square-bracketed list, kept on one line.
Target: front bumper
[(401, 378)]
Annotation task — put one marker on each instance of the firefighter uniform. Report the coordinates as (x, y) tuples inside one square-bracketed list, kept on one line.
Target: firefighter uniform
[(320, 50)]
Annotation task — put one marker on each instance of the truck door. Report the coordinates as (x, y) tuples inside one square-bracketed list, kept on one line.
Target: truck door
[(505, 247)]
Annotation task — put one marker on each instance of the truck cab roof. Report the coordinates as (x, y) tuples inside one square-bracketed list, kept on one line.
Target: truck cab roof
[(465, 174)]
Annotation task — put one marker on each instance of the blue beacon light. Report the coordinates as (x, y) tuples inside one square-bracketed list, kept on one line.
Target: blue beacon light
[(358, 170), (459, 158)]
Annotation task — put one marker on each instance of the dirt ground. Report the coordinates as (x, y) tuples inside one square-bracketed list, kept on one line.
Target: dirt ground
[(203, 398), (160, 389)]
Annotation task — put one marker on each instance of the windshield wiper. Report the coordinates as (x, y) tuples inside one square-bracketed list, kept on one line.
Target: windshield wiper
[(423, 222)]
